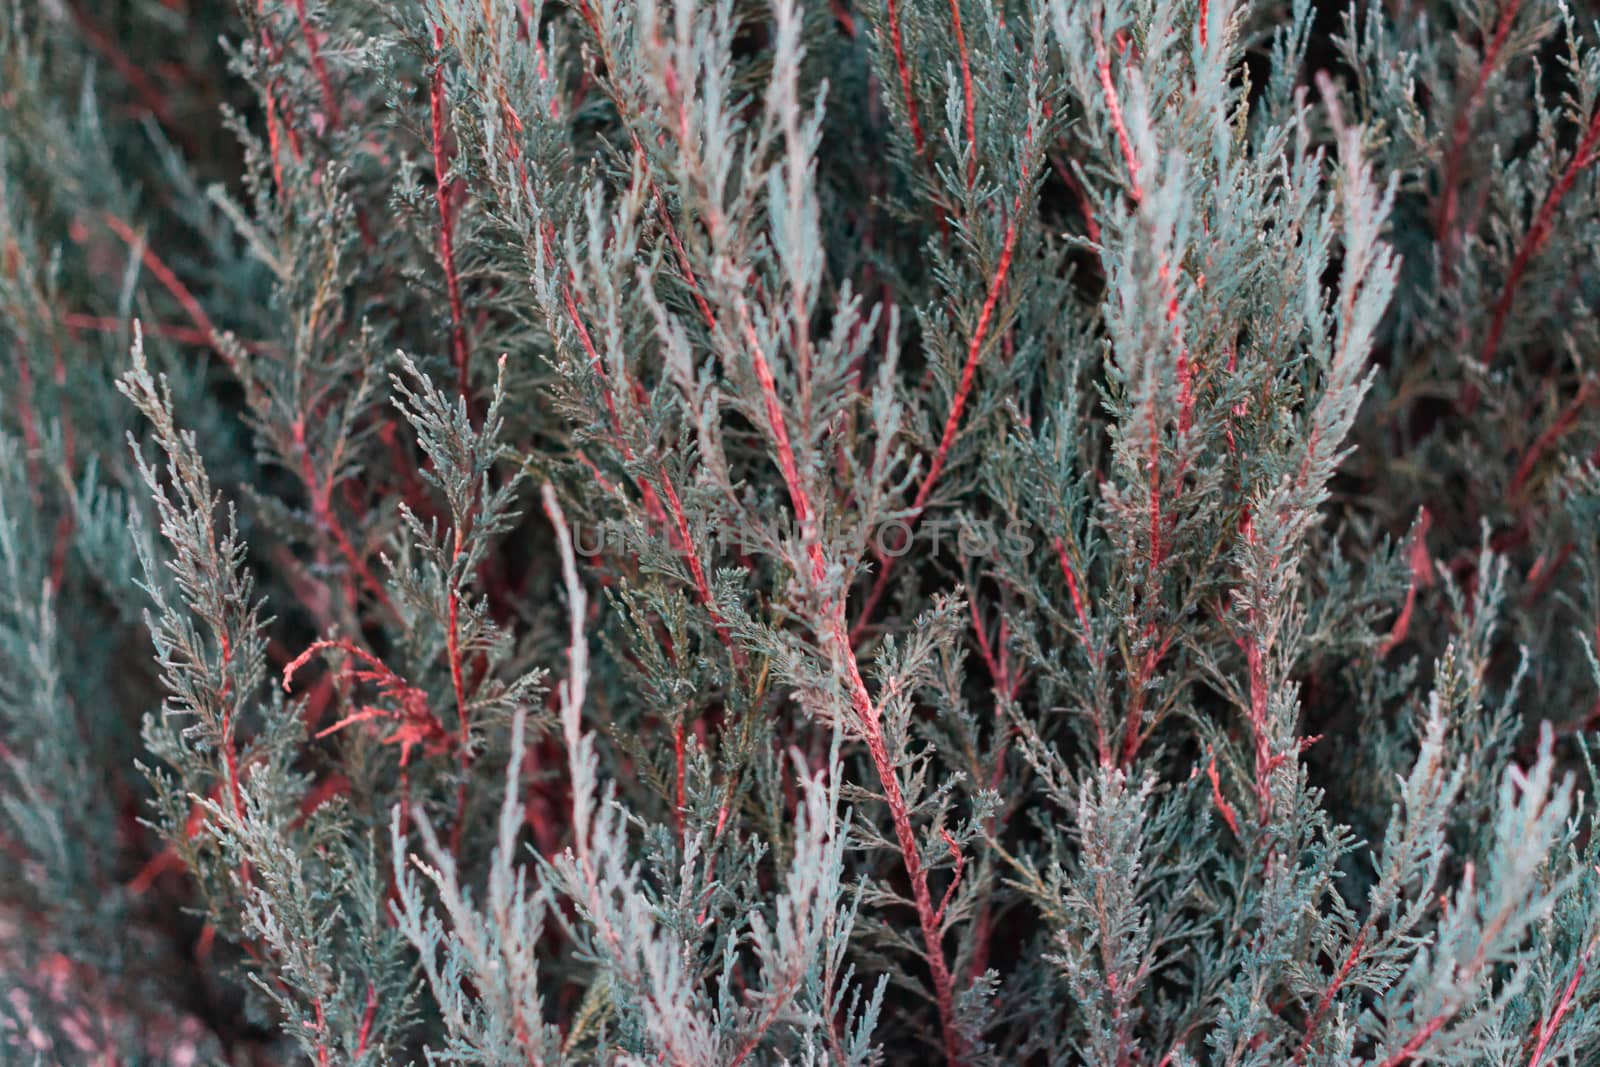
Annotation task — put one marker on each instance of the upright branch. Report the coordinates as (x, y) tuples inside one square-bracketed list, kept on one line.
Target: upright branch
[(1533, 242), (628, 387), (831, 625), (330, 99), (977, 346), (866, 712), (458, 686), (903, 68), (207, 568), (211, 675), (1551, 1023), (444, 190), (968, 103), (1154, 637), (1461, 132)]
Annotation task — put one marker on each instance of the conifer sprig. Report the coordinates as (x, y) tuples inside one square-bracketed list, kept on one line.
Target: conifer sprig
[(740, 532)]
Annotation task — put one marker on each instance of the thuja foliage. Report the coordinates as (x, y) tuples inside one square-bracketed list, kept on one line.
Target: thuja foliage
[(716, 532)]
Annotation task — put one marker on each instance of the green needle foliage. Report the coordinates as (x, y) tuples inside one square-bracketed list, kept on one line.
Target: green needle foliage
[(740, 532)]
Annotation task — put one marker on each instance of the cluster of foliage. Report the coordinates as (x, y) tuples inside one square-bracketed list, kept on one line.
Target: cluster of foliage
[(717, 532)]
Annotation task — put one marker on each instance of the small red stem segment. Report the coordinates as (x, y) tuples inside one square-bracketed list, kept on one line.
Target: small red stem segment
[(1119, 124), (274, 124), (1420, 1038), (321, 492), (1224, 808), (1421, 576), (1547, 440), (171, 283), (322, 1030), (367, 1018), (1326, 1000)]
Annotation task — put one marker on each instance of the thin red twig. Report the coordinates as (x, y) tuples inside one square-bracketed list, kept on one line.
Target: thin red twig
[(320, 492), (171, 283), (1224, 808), (1421, 575), (966, 93), (1462, 129), (1091, 225), (1070, 573), (1534, 241), (861, 702), (958, 403), (1548, 1027), (1119, 125), (273, 141), (367, 1017), (898, 47), (1554, 433), (330, 100), (129, 71), (1420, 1038), (955, 877), (274, 55), (1325, 1001), (187, 335), (322, 1030)]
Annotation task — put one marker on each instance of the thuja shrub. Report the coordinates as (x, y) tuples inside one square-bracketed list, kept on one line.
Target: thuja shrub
[(716, 532)]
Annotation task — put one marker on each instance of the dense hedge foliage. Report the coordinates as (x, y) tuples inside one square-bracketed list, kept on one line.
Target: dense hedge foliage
[(716, 532)]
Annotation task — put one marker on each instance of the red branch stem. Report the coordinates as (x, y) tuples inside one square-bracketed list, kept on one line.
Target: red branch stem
[(897, 45), (1548, 1027), (1533, 242), (330, 100), (171, 283), (1462, 129), (966, 93), (952, 423), (867, 714)]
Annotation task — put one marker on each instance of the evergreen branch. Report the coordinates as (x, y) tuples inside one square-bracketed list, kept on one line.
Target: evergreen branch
[(1538, 234), (443, 193)]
